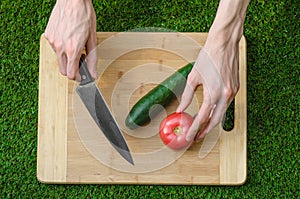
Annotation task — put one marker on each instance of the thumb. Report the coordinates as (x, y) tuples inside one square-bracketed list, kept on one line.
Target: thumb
[(91, 50), (186, 98), (91, 61)]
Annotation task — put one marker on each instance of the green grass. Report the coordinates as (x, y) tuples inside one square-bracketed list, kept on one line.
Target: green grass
[(272, 33)]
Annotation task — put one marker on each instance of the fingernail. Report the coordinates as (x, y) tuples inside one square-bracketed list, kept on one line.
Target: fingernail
[(188, 138), (198, 137), (95, 74)]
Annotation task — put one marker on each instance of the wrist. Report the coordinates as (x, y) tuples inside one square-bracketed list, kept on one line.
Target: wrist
[(230, 32), (74, 2)]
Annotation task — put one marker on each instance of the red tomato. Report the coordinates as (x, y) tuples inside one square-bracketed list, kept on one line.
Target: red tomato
[(173, 130)]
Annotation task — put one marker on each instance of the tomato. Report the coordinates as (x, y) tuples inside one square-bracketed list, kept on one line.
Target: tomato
[(173, 130)]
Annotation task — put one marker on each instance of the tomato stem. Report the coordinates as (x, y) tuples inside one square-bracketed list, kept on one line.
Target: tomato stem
[(177, 130)]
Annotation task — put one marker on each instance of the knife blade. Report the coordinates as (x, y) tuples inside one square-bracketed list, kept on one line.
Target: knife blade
[(94, 102)]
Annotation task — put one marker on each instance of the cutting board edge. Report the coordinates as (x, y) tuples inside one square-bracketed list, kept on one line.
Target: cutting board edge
[(238, 134), (64, 181), (51, 164)]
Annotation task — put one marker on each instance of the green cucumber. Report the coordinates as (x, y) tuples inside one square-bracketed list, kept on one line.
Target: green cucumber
[(146, 108)]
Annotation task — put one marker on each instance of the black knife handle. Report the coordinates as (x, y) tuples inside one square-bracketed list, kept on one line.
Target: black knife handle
[(84, 72)]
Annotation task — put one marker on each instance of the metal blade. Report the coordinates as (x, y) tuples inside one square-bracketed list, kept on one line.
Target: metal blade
[(98, 109)]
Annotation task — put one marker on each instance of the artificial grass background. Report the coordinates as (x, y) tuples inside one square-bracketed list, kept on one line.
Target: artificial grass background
[(272, 33)]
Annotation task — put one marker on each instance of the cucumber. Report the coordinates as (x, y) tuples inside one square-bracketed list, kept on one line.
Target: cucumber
[(146, 108)]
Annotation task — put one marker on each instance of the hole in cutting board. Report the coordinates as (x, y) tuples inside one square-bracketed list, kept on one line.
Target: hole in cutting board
[(228, 121)]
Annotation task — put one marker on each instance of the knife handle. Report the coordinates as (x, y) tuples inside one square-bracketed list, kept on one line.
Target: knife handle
[(84, 72)]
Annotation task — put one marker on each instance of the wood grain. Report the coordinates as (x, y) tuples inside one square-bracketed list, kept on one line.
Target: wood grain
[(71, 149), (233, 147), (52, 122)]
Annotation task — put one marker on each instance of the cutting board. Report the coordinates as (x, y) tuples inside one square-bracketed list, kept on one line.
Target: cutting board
[(71, 149)]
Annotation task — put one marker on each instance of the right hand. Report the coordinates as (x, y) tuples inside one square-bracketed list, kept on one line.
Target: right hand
[(216, 68), (217, 72), (71, 29)]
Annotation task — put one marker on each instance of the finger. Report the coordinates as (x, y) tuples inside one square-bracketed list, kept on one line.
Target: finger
[(91, 59), (91, 48), (216, 118), (193, 81), (72, 67), (202, 133), (73, 51), (62, 63), (186, 98), (200, 121)]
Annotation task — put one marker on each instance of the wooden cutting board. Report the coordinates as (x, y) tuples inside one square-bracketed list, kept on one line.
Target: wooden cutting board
[(71, 149)]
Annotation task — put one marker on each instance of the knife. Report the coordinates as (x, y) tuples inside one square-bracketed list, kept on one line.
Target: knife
[(94, 102)]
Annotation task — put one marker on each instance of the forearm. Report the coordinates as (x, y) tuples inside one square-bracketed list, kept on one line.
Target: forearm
[(66, 3), (228, 23), (74, 1), (70, 29)]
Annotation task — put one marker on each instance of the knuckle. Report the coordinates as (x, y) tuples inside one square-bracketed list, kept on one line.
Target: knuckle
[(51, 41), (71, 75), (57, 45), (46, 35), (71, 70), (228, 93)]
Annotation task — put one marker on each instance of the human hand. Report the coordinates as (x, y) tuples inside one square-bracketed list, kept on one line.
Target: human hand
[(71, 29), (216, 69)]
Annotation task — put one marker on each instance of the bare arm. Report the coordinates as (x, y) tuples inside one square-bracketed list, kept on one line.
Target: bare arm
[(216, 68), (228, 24)]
